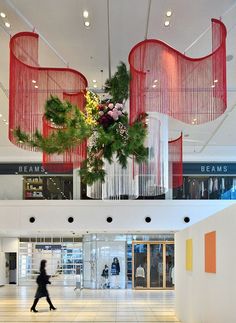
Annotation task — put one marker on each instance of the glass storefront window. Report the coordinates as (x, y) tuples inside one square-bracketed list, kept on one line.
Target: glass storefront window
[(206, 188), (140, 265)]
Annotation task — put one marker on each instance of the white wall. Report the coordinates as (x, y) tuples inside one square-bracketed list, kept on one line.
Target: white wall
[(204, 297), (128, 216), (10, 244), (11, 187), (7, 245), (2, 268)]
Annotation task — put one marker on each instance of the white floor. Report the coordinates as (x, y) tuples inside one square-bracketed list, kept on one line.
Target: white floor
[(87, 305)]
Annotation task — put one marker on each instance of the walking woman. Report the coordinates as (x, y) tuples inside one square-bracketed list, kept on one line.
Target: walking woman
[(42, 281)]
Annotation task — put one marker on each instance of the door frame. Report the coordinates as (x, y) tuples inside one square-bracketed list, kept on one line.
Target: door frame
[(148, 243)]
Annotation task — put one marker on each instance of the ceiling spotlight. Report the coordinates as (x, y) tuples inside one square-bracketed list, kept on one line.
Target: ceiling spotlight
[(95, 85), (215, 81), (213, 85), (33, 81), (4, 120), (36, 86), (6, 123), (94, 81), (85, 14), (168, 13), (155, 81), (193, 122), (0, 115), (154, 85), (87, 24), (167, 23), (7, 24), (3, 15)]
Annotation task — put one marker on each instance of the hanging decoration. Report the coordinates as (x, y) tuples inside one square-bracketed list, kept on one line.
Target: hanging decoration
[(105, 126), (30, 87), (73, 157), (176, 162), (192, 90), (117, 155)]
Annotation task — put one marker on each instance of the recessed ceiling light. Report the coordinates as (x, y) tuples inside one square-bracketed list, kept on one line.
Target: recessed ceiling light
[(3, 15), (0, 115), (167, 23), (215, 81), (87, 23), (4, 120), (85, 13), (36, 86), (154, 85), (95, 85), (94, 81), (6, 123), (213, 85), (7, 24), (229, 57), (168, 13), (33, 81), (155, 81), (193, 122)]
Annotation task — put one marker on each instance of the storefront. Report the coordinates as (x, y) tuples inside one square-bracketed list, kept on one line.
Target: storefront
[(83, 260)]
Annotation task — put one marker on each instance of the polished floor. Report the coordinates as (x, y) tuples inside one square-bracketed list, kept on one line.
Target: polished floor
[(87, 305)]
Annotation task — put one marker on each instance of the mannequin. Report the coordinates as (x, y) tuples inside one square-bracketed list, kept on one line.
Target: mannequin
[(105, 275), (115, 271), (140, 276)]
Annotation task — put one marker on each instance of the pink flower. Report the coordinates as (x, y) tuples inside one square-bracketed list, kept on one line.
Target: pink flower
[(119, 106), (110, 113), (110, 105)]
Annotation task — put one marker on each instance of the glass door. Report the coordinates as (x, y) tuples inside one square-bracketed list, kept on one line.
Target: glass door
[(153, 265), (156, 265)]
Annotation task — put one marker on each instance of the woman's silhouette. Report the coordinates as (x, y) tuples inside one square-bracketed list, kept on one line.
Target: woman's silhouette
[(42, 281)]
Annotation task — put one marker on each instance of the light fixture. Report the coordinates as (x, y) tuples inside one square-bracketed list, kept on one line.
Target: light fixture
[(6, 123), (95, 85), (85, 13), (4, 120), (33, 81), (213, 85), (167, 23), (94, 81), (36, 86), (155, 81), (168, 13), (87, 23), (154, 85), (3, 15), (215, 81), (0, 115), (7, 24)]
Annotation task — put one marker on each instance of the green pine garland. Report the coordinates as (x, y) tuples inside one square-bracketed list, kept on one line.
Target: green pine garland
[(109, 137)]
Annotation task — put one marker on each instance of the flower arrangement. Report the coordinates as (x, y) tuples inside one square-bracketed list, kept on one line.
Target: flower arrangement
[(105, 126)]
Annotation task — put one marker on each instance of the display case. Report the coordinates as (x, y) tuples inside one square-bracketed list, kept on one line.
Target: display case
[(33, 188)]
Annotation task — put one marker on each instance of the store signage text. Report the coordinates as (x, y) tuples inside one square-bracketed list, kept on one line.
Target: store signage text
[(214, 169), (31, 169)]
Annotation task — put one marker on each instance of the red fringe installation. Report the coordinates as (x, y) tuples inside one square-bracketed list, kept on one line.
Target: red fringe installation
[(176, 162), (192, 90), (31, 86)]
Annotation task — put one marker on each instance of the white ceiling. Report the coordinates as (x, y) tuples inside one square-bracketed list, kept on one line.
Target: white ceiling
[(60, 22)]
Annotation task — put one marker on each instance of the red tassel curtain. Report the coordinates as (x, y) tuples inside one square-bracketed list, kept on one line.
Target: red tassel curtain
[(176, 162), (192, 90), (31, 85), (72, 158)]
